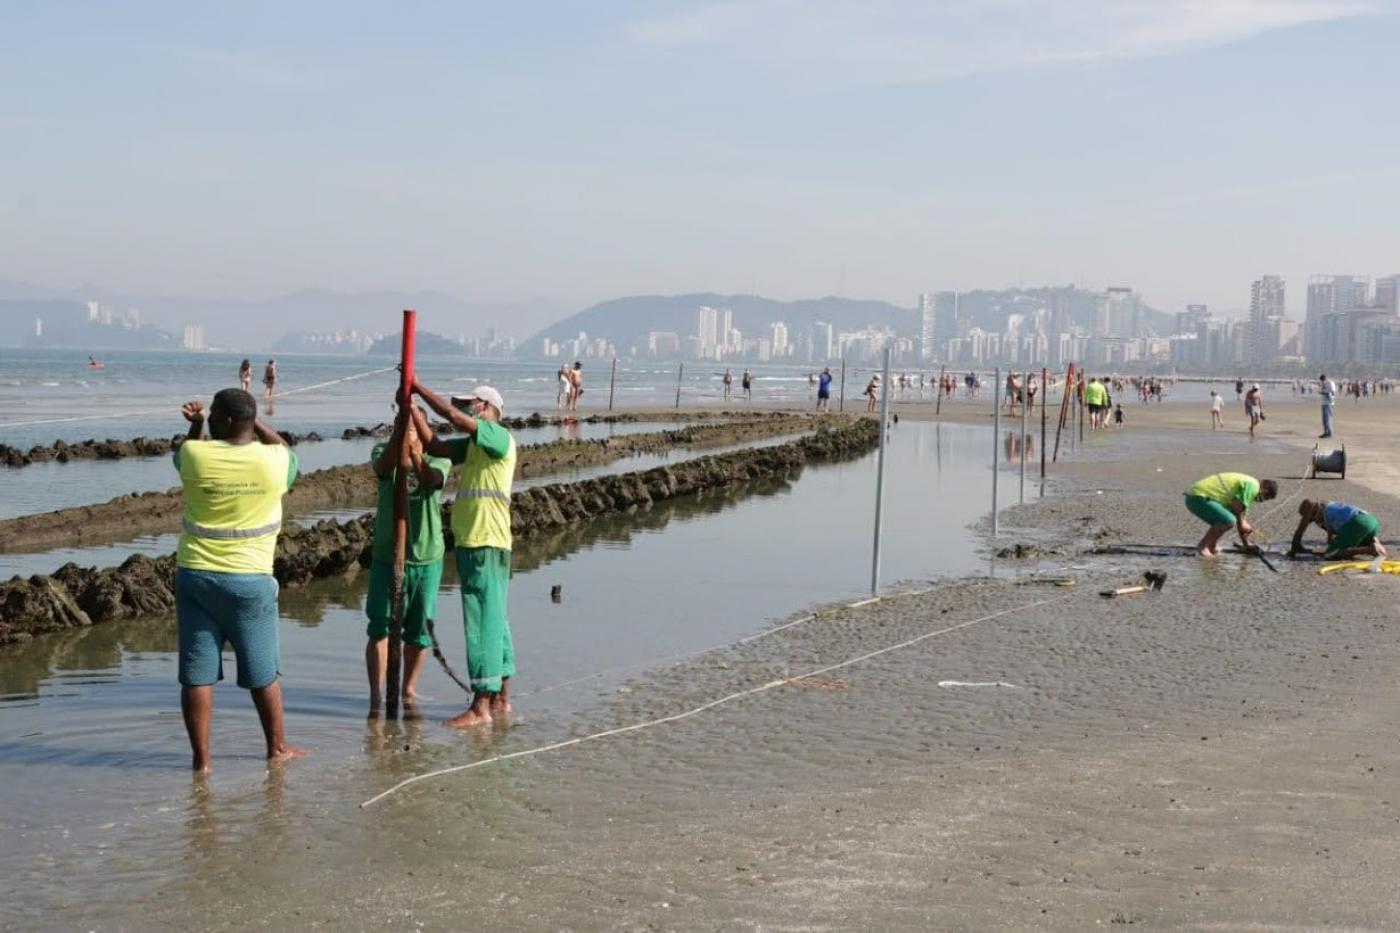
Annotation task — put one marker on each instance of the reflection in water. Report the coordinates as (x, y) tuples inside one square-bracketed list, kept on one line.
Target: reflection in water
[(1013, 447), (96, 648)]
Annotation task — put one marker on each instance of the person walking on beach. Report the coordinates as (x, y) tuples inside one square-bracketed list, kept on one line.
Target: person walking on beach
[(269, 379), (566, 389), (1327, 389), (224, 587), (1239, 389), (1217, 410), (1253, 408), (747, 385), (1096, 400), (245, 375), (872, 391), (811, 384), (1118, 417), (728, 380), (576, 382), (824, 390), (1221, 501), (481, 529), (1351, 532), (422, 571)]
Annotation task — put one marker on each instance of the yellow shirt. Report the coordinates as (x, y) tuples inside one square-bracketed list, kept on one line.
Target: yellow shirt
[(233, 504), (1226, 488), (481, 510)]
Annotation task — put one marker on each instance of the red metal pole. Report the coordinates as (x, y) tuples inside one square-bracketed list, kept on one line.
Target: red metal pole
[(392, 679)]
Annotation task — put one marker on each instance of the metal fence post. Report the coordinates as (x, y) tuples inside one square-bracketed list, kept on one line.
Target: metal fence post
[(996, 445), (880, 476)]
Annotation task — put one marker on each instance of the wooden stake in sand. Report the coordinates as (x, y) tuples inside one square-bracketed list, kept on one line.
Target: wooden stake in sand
[(396, 595), (1064, 411), (938, 406)]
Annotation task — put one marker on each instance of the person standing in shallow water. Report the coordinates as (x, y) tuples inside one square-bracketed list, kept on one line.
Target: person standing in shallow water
[(481, 528), (245, 375), (422, 572), (224, 587), (269, 380)]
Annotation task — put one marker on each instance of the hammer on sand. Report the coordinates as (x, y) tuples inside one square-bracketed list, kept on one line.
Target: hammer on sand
[(1152, 580)]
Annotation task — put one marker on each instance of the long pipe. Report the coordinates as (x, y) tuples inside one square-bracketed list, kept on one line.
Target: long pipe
[(996, 445), (880, 476), (396, 588), (680, 374), (1064, 413)]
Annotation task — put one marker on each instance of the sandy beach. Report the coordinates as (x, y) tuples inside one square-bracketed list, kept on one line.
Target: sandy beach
[(1221, 754)]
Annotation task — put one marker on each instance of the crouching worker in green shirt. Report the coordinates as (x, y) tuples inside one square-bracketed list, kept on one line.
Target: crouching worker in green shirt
[(481, 529), (1221, 501), (422, 571)]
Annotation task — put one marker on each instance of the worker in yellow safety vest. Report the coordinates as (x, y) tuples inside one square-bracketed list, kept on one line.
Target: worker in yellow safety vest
[(224, 588), (481, 529)]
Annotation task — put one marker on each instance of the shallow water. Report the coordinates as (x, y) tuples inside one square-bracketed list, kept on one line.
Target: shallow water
[(112, 554), (43, 487), (141, 392), (95, 711)]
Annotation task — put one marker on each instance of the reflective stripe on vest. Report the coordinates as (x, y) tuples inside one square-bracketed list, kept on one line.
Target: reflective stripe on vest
[(227, 534), (482, 494)]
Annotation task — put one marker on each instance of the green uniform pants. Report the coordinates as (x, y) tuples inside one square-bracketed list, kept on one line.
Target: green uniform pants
[(485, 576)]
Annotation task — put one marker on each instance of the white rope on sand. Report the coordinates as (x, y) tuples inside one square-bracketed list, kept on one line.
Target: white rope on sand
[(730, 698), (156, 411)]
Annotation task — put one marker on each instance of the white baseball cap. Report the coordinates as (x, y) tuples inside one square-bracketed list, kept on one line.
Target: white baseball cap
[(484, 393)]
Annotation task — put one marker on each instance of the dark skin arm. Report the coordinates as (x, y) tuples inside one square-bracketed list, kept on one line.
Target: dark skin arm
[(266, 434), (194, 414), (429, 477), (1297, 546), (389, 457)]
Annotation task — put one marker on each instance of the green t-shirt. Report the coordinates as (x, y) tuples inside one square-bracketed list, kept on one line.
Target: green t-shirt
[(1095, 394), (425, 543), (1226, 488)]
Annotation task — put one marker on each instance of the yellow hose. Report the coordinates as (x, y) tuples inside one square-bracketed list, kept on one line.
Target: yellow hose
[(1387, 566)]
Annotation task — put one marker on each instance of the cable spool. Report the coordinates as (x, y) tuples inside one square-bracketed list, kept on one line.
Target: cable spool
[(1329, 461)]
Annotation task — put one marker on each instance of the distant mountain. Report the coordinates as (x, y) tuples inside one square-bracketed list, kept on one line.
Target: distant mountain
[(626, 321), (260, 324), (51, 322), (425, 343)]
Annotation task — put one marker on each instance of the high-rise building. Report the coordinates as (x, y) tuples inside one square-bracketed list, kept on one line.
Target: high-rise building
[(728, 342), (1190, 320), (707, 332), (1388, 293), (928, 334), (823, 347), (1329, 295), (194, 337), (780, 339), (1266, 310)]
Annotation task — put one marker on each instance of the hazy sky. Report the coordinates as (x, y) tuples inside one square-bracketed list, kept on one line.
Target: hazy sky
[(578, 151)]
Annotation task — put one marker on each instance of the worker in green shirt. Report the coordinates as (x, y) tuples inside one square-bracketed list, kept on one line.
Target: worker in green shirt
[(1221, 501), (422, 571), (481, 529)]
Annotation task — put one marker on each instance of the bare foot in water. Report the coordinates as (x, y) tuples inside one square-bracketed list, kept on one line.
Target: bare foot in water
[(470, 718), (500, 705), (286, 753), (1205, 552)]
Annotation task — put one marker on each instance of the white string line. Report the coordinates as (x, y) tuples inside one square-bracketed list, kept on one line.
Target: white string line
[(154, 411), (671, 659), (742, 694)]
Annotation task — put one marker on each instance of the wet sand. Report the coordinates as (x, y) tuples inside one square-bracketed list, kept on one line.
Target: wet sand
[(1222, 754)]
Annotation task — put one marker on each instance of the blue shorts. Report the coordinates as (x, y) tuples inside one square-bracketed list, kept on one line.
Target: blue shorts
[(237, 608)]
